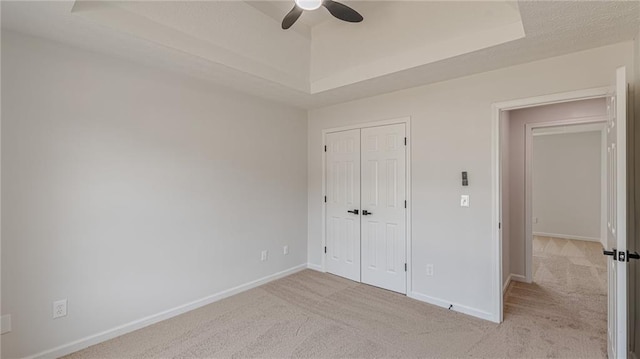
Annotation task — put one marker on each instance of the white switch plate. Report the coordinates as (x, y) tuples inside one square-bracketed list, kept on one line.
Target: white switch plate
[(264, 256), (285, 250), (430, 270), (59, 308), (6, 324), (464, 200)]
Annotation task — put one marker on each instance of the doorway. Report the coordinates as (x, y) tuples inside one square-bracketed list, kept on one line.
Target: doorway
[(366, 189), (553, 264), (616, 208), (567, 172)]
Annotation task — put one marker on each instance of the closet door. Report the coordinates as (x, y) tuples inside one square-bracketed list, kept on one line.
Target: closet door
[(383, 207), (343, 204)]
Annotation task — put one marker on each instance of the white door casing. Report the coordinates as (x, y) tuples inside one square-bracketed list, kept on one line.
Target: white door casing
[(616, 219), (343, 195), (497, 108), (383, 189)]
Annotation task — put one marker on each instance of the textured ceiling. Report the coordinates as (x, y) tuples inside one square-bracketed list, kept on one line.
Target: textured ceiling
[(551, 28)]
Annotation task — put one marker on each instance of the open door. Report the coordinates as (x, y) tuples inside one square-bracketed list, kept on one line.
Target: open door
[(617, 219)]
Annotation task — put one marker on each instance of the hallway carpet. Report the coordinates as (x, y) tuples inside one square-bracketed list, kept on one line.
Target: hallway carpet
[(315, 315)]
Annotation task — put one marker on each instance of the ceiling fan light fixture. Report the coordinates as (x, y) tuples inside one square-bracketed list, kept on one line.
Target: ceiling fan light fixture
[(309, 4)]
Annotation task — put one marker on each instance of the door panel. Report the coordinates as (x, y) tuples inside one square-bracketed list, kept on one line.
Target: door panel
[(384, 195), (616, 219), (343, 194)]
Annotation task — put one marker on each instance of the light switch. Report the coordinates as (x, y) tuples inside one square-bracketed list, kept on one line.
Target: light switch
[(464, 200)]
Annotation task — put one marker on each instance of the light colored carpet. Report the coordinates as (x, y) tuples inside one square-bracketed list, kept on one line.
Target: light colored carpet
[(316, 315)]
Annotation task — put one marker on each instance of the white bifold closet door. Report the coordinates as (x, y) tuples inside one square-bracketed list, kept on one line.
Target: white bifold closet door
[(365, 211), (383, 198), (343, 199)]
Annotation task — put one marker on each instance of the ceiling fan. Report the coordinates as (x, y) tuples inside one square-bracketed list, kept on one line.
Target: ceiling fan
[(340, 11)]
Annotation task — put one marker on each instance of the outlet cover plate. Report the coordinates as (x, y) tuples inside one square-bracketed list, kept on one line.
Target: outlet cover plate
[(59, 308), (430, 270), (6, 324)]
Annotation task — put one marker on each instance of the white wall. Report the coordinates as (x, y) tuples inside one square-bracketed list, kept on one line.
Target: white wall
[(131, 191), (566, 185), (519, 119), (451, 132)]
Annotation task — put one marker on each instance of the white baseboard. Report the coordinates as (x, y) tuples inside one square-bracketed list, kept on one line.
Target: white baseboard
[(566, 236), (513, 278), (519, 278), (155, 318), (315, 267), (506, 283), (454, 306)]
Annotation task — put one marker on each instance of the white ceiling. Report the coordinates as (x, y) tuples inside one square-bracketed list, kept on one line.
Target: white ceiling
[(325, 61)]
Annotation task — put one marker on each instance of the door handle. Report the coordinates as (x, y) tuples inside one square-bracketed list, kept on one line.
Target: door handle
[(633, 255), (355, 211), (366, 213)]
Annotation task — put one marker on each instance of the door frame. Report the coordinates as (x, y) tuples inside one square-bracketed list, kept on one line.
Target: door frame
[(528, 181), (496, 168), (395, 121)]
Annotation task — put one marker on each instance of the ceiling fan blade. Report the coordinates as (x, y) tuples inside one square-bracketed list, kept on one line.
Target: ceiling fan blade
[(291, 17), (342, 12)]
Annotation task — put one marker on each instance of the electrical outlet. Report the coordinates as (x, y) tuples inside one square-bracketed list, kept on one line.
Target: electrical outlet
[(430, 270), (5, 324), (59, 308), (264, 256), (285, 250)]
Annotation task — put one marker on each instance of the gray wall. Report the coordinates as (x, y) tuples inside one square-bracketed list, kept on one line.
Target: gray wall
[(451, 131), (566, 185), (130, 191)]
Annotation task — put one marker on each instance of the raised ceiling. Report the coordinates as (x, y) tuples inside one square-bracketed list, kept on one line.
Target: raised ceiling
[(323, 61)]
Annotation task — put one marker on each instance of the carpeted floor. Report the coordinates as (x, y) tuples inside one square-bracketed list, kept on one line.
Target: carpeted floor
[(310, 314)]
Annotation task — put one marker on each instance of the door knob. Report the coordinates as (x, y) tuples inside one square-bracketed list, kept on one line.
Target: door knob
[(355, 211), (366, 213)]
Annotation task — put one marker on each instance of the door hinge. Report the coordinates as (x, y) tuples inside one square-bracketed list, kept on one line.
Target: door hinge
[(499, 224), (325, 148), (325, 249), (405, 141), (405, 203), (325, 199), (405, 267)]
